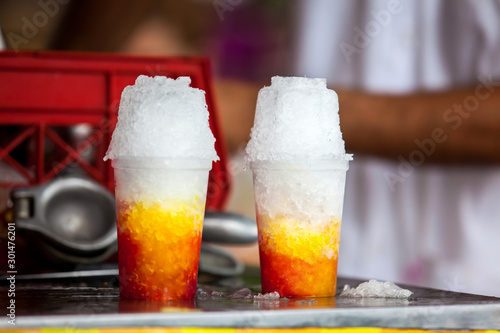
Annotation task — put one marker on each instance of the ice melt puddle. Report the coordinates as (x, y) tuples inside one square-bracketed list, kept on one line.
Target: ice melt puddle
[(244, 294), (376, 289)]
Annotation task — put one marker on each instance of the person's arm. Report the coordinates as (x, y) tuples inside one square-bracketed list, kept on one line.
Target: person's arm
[(456, 126), (439, 125)]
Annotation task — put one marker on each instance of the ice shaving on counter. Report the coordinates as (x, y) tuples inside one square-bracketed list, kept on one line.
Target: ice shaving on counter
[(376, 289), (161, 142), (298, 159)]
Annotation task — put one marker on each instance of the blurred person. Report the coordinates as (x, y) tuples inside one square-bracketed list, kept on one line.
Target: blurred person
[(151, 26), (419, 91), (418, 82), (419, 97)]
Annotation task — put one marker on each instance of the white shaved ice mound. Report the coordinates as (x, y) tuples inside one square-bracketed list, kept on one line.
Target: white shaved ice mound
[(296, 119), (161, 117)]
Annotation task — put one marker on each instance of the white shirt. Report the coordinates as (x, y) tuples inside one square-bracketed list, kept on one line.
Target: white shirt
[(440, 226)]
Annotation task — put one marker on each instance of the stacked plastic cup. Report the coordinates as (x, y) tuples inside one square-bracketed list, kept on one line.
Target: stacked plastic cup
[(298, 159), (162, 151)]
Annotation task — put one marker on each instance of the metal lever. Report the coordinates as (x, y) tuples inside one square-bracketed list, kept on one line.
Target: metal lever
[(228, 228)]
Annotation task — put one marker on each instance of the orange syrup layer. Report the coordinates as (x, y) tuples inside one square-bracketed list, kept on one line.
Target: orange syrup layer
[(159, 250), (298, 259)]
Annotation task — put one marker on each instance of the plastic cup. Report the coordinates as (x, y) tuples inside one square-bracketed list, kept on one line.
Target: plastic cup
[(160, 207), (299, 214)]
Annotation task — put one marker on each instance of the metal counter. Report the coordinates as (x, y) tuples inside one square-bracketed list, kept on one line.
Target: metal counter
[(98, 305)]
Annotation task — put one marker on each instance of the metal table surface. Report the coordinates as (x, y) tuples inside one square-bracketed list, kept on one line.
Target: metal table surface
[(96, 304)]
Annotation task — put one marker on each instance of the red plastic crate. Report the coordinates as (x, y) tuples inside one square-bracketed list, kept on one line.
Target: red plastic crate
[(43, 91)]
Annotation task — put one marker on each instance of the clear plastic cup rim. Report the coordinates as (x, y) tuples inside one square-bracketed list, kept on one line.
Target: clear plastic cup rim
[(133, 162), (326, 164)]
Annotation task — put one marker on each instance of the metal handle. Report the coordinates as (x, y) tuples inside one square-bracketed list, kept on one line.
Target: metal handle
[(23, 204), (229, 228)]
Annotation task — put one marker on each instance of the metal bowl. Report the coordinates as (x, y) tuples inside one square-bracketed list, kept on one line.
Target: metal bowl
[(74, 216)]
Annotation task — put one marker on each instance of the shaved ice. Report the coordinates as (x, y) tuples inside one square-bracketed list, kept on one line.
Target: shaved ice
[(161, 117), (296, 119)]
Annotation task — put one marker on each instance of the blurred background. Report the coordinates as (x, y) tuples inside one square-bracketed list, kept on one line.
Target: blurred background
[(418, 85)]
